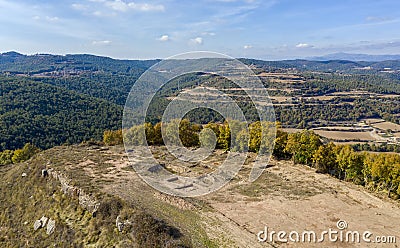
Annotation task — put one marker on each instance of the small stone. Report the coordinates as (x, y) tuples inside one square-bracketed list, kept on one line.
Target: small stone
[(26, 223), (44, 173), (51, 225), (24, 174), (37, 225), (44, 221), (120, 226)]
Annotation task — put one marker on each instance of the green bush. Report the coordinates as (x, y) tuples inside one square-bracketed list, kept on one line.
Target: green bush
[(25, 153)]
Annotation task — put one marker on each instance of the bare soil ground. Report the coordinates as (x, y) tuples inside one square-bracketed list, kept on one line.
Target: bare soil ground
[(286, 197), (294, 198)]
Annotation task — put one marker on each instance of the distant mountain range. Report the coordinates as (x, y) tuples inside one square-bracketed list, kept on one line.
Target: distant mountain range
[(354, 57), (78, 64)]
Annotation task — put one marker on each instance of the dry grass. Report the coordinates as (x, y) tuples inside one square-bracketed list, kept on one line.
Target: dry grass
[(286, 197)]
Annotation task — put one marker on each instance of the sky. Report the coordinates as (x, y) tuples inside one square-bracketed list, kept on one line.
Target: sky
[(145, 29)]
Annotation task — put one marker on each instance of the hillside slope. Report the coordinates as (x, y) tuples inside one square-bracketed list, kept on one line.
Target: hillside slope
[(286, 197), (47, 115)]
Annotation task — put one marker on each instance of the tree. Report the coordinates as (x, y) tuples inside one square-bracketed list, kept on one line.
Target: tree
[(150, 133), (135, 136), (280, 144), (112, 137), (350, 164), (242, 141), (382, 171), (188, 133), (208, 139), (6, 157), (255, 130), (158, 139), (25, 153), (325, 159), (182, 131), (302, 146), (224, 138)]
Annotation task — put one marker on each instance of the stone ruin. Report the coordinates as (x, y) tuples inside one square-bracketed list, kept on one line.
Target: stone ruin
[(86, 201)]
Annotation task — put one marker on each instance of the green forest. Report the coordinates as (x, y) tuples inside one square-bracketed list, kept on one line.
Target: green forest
[(46, 115)]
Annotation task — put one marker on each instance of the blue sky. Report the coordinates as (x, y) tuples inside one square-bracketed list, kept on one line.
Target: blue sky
[(142, 29)]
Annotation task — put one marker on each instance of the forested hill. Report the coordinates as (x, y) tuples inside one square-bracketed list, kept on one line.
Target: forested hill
[(50, 100), (14, 62), (47, 115), (328, 65)]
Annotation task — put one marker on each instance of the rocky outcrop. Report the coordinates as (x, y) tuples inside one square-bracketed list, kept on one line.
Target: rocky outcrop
[(86, 201)]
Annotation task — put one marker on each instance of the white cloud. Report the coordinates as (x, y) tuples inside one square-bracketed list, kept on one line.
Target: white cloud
[(99, 13), (377, 19), (197, 41), (247, 46), (101, 42), (52, 18), (119, 5), (208, 33), (164, 38), (303, 45), (47, 18), (79, 6)]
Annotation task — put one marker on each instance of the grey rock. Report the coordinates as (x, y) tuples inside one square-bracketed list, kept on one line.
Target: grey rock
[(51, 225), (155, 168), (122, 224), (119, 224), (44, 221), (37, 225), (120, 227)]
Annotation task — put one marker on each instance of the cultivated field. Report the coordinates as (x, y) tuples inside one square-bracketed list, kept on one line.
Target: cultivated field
[(387, 125), (346, 135)]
